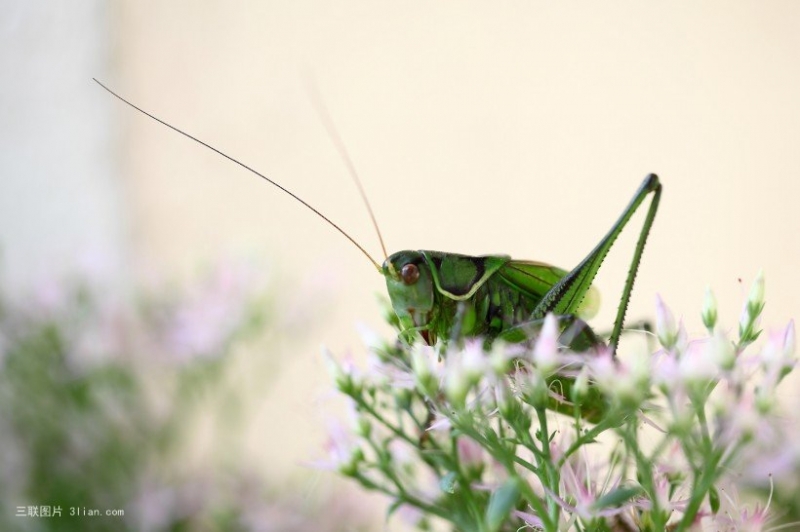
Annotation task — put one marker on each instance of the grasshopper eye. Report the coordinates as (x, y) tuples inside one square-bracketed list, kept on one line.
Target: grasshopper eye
[(410, 274)]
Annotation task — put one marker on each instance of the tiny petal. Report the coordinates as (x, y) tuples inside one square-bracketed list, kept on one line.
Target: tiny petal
[(545, 353), (789, 341), (530, 519), (682, 338), (473, 360)]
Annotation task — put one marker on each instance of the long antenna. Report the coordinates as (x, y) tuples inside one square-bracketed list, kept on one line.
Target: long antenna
[(259, 174), (330, 128)]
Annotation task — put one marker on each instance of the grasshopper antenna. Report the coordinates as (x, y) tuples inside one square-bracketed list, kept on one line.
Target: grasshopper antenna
[(333, 134), (259, 174)]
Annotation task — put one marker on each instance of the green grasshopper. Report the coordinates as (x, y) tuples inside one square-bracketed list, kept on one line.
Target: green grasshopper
[(494, 295), (442, 295)]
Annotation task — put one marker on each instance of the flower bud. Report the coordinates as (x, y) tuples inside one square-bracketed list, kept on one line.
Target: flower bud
[(581, 387), (777, 356), (470, 454), (536, 393), (504, 400), (722, 351), (349, 467), (500, 358), (756, 298), (456, 387), (402, 397), (764, 401), (421, 365), (749, 319), (343, 375), (699, 365), (665, 324), (363, 427), (709, 310)]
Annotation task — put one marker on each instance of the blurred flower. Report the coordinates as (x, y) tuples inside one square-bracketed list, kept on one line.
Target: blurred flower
[(344, 454), (205, 319)]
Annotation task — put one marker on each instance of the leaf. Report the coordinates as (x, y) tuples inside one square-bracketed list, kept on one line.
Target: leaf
[(502, 501), (616, 498), (713, 499), (448, 482)]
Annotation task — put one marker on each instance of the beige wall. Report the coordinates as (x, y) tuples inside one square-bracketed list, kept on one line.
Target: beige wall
[(478, 127)]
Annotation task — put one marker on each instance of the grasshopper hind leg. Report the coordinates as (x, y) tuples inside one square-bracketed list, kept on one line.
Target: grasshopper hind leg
[(566, 296)]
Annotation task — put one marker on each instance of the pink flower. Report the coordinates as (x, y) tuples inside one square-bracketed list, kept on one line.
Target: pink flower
[(470, 453)]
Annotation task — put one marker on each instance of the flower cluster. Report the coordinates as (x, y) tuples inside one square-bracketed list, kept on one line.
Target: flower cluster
[(532, 435), (101, 396)]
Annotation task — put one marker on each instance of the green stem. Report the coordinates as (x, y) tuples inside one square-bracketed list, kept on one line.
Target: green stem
[(551, 475), (645, 473), (586, 438), (404, 497), (463, 482)]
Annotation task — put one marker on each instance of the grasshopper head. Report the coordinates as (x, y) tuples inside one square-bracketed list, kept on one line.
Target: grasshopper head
[(410, 287)]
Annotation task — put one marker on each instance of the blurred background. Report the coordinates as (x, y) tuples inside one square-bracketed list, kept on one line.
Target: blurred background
[(521, 128)]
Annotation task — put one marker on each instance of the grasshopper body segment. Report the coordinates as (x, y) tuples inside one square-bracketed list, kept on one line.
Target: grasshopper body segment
[(439, 294)]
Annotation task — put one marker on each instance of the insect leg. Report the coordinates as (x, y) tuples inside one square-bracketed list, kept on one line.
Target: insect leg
[(565, 297)]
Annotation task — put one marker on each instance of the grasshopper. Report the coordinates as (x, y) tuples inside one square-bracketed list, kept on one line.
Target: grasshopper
[(442, 296)]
